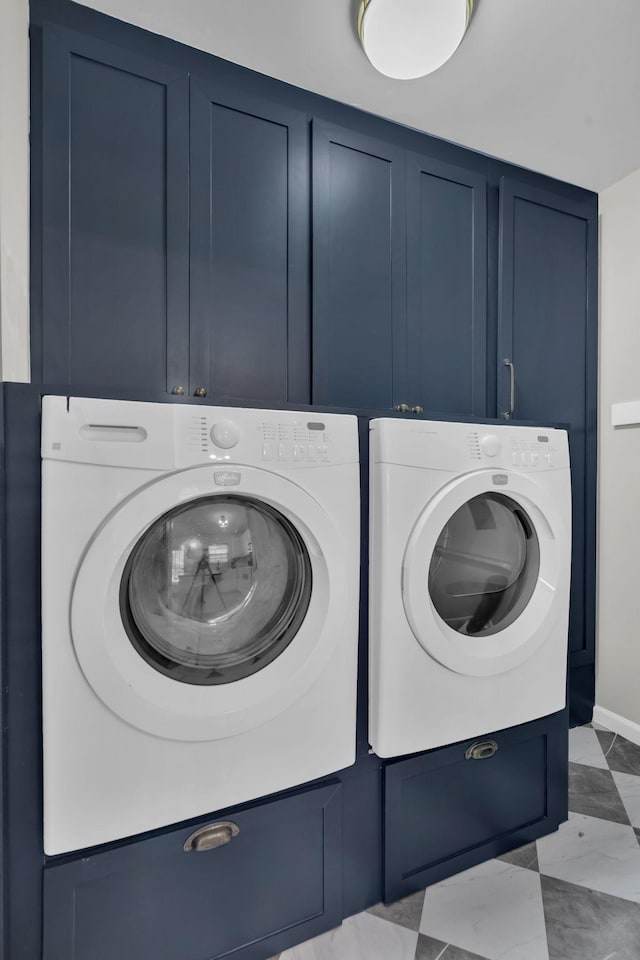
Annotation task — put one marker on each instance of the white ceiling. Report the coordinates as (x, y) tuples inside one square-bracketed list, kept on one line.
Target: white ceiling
[(553, 85)]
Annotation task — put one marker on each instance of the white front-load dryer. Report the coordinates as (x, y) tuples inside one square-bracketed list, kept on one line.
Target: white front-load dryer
[(470, 552), (200, 571)]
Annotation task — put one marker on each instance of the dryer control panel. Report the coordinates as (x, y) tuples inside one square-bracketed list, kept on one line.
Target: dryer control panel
[(441, 445), (533, 449)]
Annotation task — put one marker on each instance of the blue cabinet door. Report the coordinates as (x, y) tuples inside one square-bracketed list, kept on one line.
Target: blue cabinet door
[(359, 297), (446, 287), (277, 882), (249, 247), (115, 293), (445, 812), (547, 328)]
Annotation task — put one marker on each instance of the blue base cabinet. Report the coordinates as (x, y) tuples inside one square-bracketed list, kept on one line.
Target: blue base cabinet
[(445, 811), (274, 884)]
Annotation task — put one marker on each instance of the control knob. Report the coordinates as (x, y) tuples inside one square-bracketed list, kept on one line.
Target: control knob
[(225, 434), (491, 445)]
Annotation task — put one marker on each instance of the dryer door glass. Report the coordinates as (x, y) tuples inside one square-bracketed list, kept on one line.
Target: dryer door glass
[(485, 565), (216, 589)]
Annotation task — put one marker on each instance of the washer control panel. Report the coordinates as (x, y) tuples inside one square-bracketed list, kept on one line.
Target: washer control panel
[(263, 437)]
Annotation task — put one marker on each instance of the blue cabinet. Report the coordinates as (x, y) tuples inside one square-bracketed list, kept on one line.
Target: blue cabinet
[(547, 329), (115, 153), (359, 297), (276, 883), (399, 277), (249, 331), (446, 287), (175, 219), (445, 812)]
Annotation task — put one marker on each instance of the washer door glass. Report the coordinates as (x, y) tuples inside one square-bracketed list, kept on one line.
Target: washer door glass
[(215, 589), (485, 565)]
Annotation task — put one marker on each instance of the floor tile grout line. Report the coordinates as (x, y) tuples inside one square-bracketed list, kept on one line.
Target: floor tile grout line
[(615, 737), (443, 951)]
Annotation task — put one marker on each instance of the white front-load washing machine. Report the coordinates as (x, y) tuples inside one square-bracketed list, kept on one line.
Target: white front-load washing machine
[(200, 571), (470, 551)]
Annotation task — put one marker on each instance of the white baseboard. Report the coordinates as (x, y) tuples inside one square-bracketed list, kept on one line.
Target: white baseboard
[(616, 723)]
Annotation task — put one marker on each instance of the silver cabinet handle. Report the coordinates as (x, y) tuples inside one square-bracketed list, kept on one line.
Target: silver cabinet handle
[(213, 835), (507, 415), (481, 750), (200, 392), (178, 391), (417, 409), (402, 408)]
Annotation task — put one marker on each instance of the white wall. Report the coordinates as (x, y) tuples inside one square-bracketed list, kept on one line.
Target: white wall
[(14, 190), (618, 656)]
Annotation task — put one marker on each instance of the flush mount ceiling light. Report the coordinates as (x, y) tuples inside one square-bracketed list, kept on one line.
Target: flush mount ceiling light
[(405, 39)]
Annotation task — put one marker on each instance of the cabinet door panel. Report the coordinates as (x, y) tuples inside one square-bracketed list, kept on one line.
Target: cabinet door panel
[(115, 217), (274, 884), (446, 287), (249, 274), (547, 327), (359, 322), (444, 813)]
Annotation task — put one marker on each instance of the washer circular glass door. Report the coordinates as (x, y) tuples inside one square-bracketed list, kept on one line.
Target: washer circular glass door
[(485, 565), (485, 573), (197, 614), (216, 589)]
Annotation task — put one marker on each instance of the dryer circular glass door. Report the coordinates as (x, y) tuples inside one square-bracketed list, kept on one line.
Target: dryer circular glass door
[(485, 565), (198, 614), (483, 571)]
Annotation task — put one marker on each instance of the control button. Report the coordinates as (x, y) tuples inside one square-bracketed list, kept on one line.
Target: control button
[(516, 459), (225, 434), (282, 451), (298, 451), (311, 451), (548, 458), (534, 459), (267, 451), (491, 445), (324, 452)]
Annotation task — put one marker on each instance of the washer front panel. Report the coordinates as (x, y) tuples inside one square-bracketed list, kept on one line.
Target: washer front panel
[(484, 649), (153, 701)]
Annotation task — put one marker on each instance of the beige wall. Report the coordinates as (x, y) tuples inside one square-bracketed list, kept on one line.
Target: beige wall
[(14, 190), (618, 649)]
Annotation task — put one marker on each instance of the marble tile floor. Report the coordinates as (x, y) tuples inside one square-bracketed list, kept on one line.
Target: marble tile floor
[(574, 895)]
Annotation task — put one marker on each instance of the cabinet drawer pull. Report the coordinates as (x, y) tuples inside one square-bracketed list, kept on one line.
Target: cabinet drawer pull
[(200, 392), (402, 408), (213, 835), (178, 391), (481, 750), (417, 409), (508, 414)]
